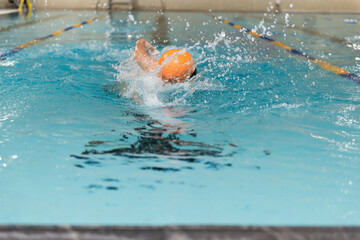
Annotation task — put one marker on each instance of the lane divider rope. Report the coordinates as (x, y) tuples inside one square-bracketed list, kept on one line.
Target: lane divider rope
[(348, 21), (352, 22), (32, 42), (324, 65), (8, 28)]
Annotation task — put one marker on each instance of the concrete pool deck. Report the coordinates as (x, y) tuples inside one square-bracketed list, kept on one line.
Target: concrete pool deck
[(176, 233)]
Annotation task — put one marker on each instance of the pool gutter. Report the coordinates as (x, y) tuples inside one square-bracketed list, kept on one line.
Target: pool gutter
[(7, 11), (17, 232)]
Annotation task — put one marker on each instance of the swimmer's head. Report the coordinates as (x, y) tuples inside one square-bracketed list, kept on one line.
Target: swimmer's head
[(176, 66)]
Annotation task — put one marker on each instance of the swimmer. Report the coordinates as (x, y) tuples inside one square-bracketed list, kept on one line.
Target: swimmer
[(174, 66)]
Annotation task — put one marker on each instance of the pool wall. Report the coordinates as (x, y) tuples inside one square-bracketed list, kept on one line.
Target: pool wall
[(176, 232), (205, 5)]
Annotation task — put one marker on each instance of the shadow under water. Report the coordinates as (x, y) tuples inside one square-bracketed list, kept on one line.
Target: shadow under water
[(155, 140)]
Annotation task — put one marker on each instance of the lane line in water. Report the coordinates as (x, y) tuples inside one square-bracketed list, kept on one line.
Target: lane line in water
[(315, 33), (324, 65), (19, 25), (30, 43)]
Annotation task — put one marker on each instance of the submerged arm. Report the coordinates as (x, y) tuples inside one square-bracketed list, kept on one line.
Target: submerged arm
[(142, 56)]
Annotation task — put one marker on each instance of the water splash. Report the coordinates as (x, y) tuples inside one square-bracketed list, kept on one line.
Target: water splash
[(133, 83)]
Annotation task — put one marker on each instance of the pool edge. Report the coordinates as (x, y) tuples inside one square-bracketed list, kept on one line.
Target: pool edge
[(19, 232)]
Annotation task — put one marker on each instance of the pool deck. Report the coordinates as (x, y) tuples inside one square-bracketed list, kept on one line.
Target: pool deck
[(177, 233)]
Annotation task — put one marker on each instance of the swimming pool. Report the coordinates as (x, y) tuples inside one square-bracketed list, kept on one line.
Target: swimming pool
[(263, 137)]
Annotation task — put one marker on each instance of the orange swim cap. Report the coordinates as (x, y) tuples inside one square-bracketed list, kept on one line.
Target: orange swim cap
[(176, 65)]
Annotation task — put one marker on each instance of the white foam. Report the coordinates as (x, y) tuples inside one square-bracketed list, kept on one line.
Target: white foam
[(8, 63), (136, 84)]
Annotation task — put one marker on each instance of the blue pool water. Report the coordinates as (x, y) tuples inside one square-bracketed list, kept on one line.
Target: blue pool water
[(262, 137)]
